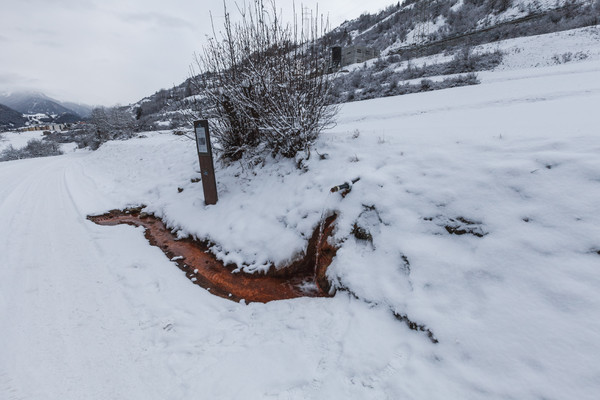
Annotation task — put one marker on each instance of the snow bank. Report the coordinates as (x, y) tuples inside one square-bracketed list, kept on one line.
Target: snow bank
[(516, 157), (511, 163)]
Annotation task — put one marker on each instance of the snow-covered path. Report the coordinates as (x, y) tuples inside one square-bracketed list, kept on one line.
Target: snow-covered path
[(73, 333)]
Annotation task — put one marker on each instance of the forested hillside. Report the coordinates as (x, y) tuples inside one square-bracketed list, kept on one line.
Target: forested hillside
[(9, 118), (404, 34)]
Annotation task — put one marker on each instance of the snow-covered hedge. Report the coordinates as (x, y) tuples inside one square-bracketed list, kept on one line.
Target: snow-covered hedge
[(35, 148)]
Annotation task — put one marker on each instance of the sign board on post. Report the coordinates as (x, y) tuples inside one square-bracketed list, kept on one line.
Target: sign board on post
[(207, 169)]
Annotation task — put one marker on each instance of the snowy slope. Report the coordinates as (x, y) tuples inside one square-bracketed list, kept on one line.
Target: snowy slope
[(531, 51), (95, 312)]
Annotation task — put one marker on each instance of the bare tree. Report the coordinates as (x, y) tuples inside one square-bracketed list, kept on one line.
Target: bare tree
[(265, 83), (107, 124)]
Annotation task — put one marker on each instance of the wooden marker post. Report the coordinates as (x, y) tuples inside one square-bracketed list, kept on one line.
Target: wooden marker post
[(207, 169)]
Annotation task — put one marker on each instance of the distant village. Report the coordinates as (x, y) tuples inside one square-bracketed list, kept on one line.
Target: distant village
[(45, 127)]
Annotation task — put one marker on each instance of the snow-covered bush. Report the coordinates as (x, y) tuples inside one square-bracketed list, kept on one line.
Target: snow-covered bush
[(267, 84), (35, 148), (393, 88), (106, 124), (568, 57), (362, 84)]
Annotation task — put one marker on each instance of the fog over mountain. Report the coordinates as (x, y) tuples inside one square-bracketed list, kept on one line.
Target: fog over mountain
[(27, 107), (34, 103)]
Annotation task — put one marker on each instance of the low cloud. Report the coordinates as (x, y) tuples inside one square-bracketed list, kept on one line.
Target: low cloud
[(36, 31), (48, 43), (161, 20), (14, 81)]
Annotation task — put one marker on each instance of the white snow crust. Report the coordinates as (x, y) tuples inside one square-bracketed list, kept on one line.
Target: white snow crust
[(95, 312), (18, 140)]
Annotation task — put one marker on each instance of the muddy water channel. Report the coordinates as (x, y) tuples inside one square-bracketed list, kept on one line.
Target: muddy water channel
[(304, 278)]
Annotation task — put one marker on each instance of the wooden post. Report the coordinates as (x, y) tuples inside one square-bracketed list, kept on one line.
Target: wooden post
[(207, 169)]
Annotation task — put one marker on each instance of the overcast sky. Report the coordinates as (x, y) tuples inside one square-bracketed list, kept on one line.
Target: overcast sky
[(107, 52)]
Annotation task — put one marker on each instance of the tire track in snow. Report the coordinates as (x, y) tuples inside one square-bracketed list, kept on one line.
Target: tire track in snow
[(60, 317), (7, 388)]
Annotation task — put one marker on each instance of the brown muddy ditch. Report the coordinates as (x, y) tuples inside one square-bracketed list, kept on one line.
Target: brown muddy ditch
[(303, 278)]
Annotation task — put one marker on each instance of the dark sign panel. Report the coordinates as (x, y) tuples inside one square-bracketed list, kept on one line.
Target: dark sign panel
[(202, 139)]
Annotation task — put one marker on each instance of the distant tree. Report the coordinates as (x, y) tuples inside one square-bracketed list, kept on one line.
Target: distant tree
[(138, 113), (34, 148), (107, 124), (188, 89)]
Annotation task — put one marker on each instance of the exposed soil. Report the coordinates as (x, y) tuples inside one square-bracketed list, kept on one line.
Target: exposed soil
[(304, 278)]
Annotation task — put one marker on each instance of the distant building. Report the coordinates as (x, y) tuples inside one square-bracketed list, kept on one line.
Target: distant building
[(336, 57), (342, 56), (46, 127)]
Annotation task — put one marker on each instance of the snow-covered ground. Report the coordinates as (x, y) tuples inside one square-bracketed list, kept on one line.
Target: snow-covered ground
[(531, 52), (547, 50), (18, 139), (95, 312)]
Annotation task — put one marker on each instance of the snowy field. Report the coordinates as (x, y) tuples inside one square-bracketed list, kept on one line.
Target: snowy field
[(18, 139), (93, 312)]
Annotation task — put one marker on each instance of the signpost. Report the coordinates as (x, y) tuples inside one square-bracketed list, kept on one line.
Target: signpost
[(207, 169)]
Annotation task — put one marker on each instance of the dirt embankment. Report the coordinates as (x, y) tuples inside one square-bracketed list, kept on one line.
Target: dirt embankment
[(304, 278)]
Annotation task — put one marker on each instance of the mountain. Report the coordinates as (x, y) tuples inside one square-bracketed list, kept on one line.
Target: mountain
[(10, 118), (35, 108), (79, 109), (438, 26), (67, 118), (34, 103)]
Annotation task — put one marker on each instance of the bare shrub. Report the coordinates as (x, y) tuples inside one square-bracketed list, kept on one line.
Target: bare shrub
[(35, 148), (266, 84), (104, 124)]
